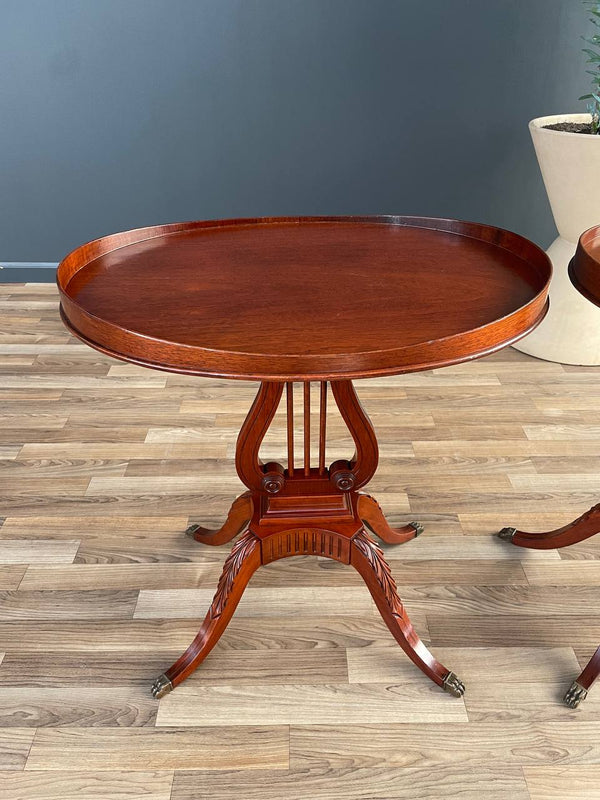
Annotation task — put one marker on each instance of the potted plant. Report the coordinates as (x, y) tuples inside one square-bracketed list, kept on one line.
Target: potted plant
[(568, 151)]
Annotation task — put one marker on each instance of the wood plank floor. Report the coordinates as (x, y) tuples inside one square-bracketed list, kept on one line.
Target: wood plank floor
[(104, 464)]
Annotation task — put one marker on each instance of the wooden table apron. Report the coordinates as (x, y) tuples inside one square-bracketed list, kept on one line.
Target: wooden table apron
[(307, 507)]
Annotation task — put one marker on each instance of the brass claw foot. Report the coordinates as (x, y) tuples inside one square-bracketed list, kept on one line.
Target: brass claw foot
[(161, 686), (575, 695), (507, 534), (419, 528), (453, 685)]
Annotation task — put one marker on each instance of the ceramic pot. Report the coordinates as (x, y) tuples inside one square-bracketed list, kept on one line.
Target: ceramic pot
[(570, 165)]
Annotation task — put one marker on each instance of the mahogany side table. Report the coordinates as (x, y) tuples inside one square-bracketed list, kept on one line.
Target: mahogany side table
[(584, 271), (302, 299)]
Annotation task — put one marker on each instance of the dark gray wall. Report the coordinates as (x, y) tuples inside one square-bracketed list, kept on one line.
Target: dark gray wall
[(122, 113)]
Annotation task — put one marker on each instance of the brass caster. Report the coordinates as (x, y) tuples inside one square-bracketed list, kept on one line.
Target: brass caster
[(506, 534), (575, 695), (419, 528), (453, 685), (161, 686), (191, 530)]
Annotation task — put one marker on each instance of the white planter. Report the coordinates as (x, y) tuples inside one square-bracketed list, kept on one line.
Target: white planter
[(570, 165)]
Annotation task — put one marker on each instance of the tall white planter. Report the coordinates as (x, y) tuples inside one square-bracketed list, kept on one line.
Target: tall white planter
[(570, 165)]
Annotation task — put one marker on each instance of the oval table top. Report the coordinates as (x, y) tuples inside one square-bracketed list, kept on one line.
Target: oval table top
[(304, 298), (584, 268)]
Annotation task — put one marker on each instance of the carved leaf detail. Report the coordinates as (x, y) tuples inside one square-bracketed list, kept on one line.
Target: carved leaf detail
[(231, 568), (374, 555)]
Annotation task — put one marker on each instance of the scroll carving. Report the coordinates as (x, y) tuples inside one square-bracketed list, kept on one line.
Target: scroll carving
[(364, 463), (248, 464)]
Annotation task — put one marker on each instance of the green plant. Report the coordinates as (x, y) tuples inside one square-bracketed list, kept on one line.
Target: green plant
[(593, 58)]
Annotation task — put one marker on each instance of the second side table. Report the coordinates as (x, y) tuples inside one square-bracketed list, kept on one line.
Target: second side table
[(584, 271)]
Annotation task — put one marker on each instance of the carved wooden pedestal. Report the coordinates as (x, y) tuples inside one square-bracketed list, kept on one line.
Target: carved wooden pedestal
[(579, 530), (306, 510)]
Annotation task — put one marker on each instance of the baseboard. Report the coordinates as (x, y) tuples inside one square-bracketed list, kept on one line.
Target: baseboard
[(28, 271)]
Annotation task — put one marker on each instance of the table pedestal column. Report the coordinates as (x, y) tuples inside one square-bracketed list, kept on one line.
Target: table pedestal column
[(306, 509)]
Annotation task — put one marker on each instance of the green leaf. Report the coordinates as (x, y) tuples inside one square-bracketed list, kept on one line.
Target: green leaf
[(586, 96), (593, 56)]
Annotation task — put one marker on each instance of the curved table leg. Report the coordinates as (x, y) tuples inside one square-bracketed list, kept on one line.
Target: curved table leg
[(580, 686), (582, 528), (240, 565), (372, 516), (237, 518), (367, 558)]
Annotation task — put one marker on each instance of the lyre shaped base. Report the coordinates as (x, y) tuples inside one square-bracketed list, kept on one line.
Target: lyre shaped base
[(308, 510)]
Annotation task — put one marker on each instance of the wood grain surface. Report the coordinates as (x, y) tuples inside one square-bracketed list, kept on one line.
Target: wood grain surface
[(285, 298), (99, 588)]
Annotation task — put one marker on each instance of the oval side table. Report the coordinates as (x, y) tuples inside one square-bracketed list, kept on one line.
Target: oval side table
[(584, 272), (286, 300)]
